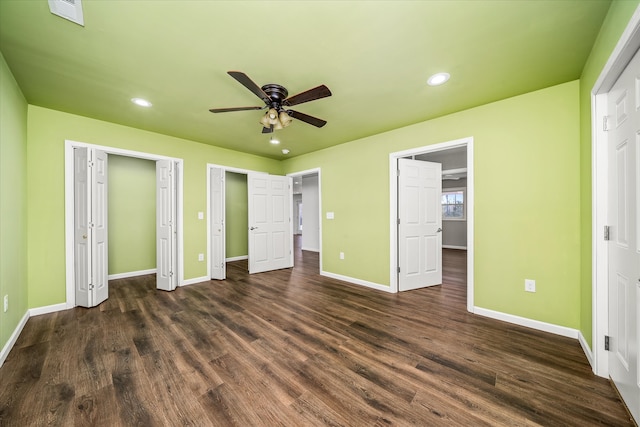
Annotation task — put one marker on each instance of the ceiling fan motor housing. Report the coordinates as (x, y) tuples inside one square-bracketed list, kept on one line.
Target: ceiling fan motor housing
[(277, 94)]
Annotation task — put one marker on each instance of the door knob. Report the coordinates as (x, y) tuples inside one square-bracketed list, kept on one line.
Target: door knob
[(253, 228), (84, 236), (438, 230)]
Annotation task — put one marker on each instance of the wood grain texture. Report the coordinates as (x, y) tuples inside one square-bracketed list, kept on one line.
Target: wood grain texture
[(293, 348)]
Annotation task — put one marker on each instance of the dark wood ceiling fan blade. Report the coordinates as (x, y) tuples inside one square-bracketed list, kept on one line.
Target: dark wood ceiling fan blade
[(310, 95), (267, 130), (226, 110), (307, 118), (245, 81)]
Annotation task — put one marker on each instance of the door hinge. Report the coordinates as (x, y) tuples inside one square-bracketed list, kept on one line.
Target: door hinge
[(398, 269), (398, 221), (397, 172), (607, 233), (171, 274), (91, 287), (605, 123), (606, 342)]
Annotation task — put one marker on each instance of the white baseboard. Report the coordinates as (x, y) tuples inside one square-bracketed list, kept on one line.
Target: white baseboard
[(355, 281), (586, 348), (529, 323), (132, 274), (195, 280), (13, 338), (310, 249), (237, 258), (47, 309), (464, 248)]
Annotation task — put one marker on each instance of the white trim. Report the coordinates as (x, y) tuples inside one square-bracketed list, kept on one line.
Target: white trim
[(529, 323), (69, 145), (462, 248), (626, 47), (599, 248), (195, 281), (132, 274), (393, 210), (38, 311), (356, 281), (310, 249), (317, 171), (585, 348), (13, 338), (236, 258)]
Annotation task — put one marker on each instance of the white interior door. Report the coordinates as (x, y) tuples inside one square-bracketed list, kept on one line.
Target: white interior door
[(99, 209), (624, 245), (217, 209), (81, 235), (166, 247), (420, 224), (90, 226), (270, 228)]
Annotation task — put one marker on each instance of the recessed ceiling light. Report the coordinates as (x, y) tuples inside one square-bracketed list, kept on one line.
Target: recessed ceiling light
[(274, 141), (285, 151), (141, 102), (438, 79)]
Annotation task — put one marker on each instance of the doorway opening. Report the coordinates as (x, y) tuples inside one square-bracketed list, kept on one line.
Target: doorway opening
[(307, 199), (613, 169), (250, 212), (423, 152), (73, 229), (627, 46)]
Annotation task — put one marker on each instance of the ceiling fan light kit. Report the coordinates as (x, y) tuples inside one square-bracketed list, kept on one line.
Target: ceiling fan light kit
[(275, 98)]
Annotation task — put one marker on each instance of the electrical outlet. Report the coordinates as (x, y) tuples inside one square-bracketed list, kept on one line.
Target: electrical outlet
[(200, 257), (529, 285), (341, 255), (6, 303)]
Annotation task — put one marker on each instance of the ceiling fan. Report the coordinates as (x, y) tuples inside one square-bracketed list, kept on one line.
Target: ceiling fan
[(275, 99)]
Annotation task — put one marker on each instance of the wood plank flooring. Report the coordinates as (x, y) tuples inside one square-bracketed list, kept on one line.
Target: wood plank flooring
[(292, 348)]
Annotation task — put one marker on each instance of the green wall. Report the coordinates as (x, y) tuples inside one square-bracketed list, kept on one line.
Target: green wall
[(13, 202), (236, 215), (526, 201), (614, 24), (132, 214), (47, 131)]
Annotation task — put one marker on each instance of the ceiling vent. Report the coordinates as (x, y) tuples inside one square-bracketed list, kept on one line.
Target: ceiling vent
[(68, 9)]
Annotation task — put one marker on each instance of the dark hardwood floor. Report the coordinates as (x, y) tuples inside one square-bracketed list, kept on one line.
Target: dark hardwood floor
[(292, 348)]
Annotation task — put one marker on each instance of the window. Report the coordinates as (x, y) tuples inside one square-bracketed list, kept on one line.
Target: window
[(453, 207)]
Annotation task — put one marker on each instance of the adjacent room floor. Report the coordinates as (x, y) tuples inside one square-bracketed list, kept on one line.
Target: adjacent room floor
[(293, 348)]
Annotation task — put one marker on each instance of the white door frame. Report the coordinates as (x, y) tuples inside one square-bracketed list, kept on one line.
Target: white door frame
[(393, 213), (225, 169), (69, 145), (317, 171), (626, 47)]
